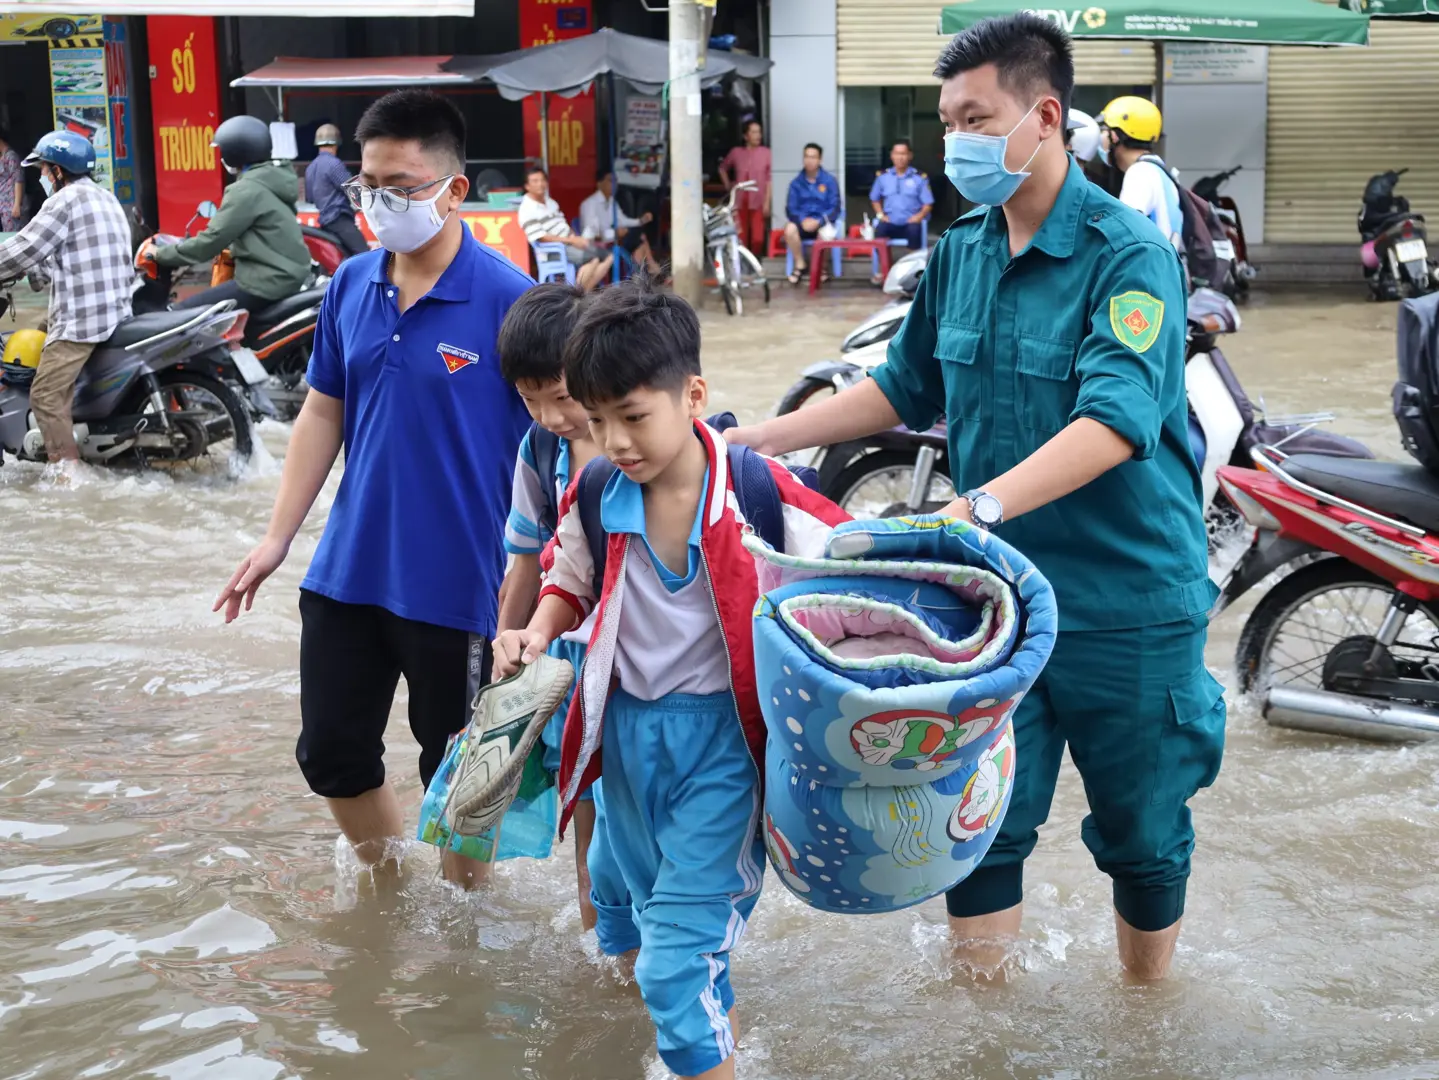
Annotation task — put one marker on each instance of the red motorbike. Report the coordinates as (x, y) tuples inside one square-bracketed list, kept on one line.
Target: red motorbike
[(1347, 642)]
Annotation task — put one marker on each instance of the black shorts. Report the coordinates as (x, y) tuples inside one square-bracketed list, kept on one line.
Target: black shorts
[(351, 660)]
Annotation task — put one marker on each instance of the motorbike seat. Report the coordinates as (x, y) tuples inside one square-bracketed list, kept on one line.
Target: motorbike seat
[(281, 310), (1409, 492), (321, 234), (147, 326)]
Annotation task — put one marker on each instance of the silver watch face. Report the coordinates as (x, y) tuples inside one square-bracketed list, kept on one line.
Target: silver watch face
[(986, 510)]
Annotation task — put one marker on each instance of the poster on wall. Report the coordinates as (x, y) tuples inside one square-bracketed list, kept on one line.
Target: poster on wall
[(571, 128), (79, 96), (640, 157), (86, 30), (185, 103)]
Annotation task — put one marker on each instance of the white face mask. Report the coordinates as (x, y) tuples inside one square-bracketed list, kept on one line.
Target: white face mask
[(47, 184), (408, 230)]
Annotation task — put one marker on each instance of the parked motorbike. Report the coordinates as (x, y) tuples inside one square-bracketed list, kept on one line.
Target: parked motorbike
[(901, 282), (160, 391), (1241, 270), (1395, 248), (903, 472)]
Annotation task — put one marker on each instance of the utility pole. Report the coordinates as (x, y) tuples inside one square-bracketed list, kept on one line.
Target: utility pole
[(686, 165)]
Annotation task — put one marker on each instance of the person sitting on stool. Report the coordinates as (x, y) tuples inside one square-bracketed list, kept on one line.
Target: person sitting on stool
[(901, 198), (325, 181), (813, 203)]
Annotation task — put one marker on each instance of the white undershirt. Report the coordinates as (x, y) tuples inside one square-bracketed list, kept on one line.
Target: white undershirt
[(669, 642), (1149, 191)]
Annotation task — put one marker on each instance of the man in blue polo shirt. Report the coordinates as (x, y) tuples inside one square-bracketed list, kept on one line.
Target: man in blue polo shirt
[(406, 377), (813, 203)]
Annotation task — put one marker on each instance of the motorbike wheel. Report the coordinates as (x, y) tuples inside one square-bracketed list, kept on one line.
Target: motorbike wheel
[(805, 392), (1302, 620), (877, 485), (228, 419)]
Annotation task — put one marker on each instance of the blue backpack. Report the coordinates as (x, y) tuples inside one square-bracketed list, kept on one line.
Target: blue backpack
[(754, 486)]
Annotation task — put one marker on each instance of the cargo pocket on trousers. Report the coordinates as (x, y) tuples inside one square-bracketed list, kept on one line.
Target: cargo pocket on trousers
[(958, 347), (1192, 746)]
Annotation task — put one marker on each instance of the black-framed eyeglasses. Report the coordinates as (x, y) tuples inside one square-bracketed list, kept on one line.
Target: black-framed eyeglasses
[(396, 199)]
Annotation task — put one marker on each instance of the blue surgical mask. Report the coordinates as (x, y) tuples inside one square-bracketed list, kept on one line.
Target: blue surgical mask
[(1103, 152), (975, 165)]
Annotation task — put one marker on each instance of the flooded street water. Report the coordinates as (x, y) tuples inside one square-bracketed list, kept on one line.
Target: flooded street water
[(170, 904)]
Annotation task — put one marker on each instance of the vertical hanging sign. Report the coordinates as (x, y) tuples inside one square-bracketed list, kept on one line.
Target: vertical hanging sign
[(185, 101), (571, 120), (122, 143)]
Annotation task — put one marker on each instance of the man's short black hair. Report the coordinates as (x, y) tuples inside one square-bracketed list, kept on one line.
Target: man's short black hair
[(600, 174), (902, 142), (536, 169), (422, 115), (631, 337), (1032, 54), (816, 147), (532, 337)]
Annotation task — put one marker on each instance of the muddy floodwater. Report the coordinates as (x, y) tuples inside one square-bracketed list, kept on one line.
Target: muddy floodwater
[(171, 903)]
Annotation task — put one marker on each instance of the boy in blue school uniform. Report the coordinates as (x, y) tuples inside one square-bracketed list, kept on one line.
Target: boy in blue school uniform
[(557, 446), (668, 684)]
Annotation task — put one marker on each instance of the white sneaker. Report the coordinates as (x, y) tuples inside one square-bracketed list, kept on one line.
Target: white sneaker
[(509, 717)]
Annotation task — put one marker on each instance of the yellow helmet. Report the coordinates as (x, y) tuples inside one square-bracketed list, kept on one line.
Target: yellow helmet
[(23, 348), (1135, 118)]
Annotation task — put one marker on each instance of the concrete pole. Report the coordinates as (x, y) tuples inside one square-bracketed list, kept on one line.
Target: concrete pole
[(686, 164)]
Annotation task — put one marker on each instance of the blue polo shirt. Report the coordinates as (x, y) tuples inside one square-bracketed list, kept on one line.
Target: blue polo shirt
[(431, 433)]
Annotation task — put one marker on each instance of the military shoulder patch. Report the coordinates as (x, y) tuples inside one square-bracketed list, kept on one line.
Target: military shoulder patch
[(1135, 317)]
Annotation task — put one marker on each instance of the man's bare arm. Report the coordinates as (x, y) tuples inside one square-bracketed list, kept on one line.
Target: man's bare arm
[(861, 410)]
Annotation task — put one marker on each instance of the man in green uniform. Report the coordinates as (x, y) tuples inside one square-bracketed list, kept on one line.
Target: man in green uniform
[(1049, 332)]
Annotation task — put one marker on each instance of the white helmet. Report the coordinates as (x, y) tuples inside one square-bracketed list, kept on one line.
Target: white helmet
[(1083, 134)]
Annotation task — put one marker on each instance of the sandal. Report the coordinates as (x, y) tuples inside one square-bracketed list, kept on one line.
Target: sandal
[(796, 277)]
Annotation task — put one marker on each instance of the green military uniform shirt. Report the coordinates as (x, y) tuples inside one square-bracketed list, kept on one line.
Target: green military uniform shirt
[(1088, 320)]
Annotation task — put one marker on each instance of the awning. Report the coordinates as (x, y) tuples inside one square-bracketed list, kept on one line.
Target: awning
[(1252, 22), (298, 73), (315, 8), (567, 67), (1418, 10)]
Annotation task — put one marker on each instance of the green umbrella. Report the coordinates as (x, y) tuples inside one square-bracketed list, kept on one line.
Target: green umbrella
[(1253, 22), (1418, 10)]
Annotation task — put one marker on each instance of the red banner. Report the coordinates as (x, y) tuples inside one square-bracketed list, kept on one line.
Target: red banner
[(185, 100), (571, 120)]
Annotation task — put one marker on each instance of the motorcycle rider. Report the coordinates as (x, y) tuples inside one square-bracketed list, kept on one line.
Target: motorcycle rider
[(78, 243), (1129, 128), (256, 221), (1081, 137), (325, 182)]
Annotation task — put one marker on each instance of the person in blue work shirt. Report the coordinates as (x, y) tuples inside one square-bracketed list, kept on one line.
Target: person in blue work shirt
[(405, 377), (1049, 331), (812, 203), (325, 180), (901, 198)]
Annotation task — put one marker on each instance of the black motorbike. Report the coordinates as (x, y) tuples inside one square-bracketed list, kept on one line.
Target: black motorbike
[(1241, 271), (1395, 247)]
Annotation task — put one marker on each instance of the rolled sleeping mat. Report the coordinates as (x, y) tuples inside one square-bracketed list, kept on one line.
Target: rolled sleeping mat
[(888, 671)]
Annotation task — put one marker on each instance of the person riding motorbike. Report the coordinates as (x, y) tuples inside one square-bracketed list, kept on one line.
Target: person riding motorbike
[(79, 244), (1081, 136), (256, 222), (1129, 128)]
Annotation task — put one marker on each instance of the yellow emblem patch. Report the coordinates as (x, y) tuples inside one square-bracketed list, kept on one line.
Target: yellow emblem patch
[(1135, 318)]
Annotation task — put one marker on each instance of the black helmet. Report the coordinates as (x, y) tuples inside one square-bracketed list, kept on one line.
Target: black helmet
[(242, 140)]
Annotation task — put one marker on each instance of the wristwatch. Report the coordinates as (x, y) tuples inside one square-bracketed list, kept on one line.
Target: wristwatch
[(985, 510)]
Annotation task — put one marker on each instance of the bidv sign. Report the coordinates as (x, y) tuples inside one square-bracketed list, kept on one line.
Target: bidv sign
[(1069, 20)]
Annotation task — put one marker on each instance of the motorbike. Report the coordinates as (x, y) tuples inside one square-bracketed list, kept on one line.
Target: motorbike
[(279, 336), (160, 391), (1394, 249), (1347, 641), (736, 268), (904, 472), (1241, 271)]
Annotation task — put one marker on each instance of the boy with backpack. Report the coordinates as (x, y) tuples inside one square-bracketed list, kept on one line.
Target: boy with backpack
[(556, 447), (649, 541)]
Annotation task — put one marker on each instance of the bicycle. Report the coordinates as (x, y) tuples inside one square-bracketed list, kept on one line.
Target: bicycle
[(736, 268)]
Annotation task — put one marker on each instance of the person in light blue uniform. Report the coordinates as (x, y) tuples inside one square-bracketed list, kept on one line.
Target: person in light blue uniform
[(901, 198), (813, 202), (557, 446), (1049, 330)]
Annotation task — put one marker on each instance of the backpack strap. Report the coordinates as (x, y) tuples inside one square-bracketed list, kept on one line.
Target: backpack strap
[(758, 495), (590, 492), (546, 447)]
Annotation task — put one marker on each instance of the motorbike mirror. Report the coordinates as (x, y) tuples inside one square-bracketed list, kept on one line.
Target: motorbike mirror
[(207, 209)]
